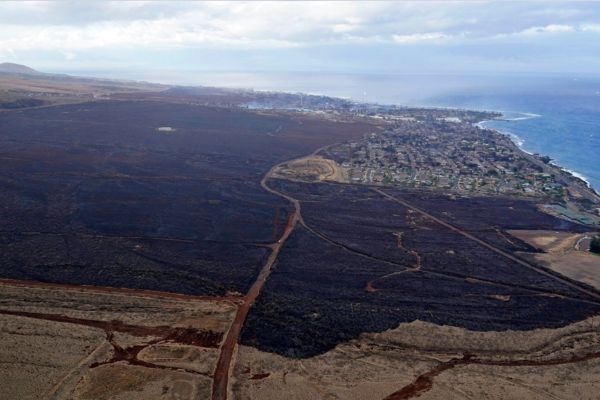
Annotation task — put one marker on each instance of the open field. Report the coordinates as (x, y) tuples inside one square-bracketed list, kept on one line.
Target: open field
[(77, 344), (584, 267), (312, 168), (94, 195), (549, 241), (158, 247), (71, 343), (565, 253), (37, 89), (428, 361)]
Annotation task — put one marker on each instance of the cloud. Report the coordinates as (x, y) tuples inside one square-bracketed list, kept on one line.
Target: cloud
[(69, 56), (72, 26), (553, 28), (590, 27), (420, 37), (120, 31)]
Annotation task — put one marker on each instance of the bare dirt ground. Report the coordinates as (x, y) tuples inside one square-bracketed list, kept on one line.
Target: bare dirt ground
[(71, 344), (60, 90), (578, 265), (550, 241), (312, 168), (564, 253), (68, 343), (424, 360)]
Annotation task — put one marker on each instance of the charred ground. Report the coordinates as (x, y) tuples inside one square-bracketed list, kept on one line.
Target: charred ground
[(98, 194), (364, 263), (95, 194)]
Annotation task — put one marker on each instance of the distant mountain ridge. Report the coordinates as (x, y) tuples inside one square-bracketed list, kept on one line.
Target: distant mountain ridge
[(12, 68)]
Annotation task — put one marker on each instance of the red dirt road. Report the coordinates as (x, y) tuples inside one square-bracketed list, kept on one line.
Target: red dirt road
[(221, 374), (594, 294), (424, 382), (189, 336)]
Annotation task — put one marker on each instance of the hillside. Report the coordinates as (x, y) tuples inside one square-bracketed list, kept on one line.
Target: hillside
[(12, 68)]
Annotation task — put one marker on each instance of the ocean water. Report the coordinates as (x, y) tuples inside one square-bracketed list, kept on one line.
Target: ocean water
[(564, 124), (554, 116)]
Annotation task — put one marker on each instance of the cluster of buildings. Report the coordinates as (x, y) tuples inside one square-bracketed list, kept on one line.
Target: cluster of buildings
[(446, 153)]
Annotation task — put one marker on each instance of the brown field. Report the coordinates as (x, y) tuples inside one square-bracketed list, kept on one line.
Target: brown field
[(428, 361), (67, 343), (71, 85), (64, 343), (550, 241), (565, 253), (578, 265), (312, 168), (56, 89)]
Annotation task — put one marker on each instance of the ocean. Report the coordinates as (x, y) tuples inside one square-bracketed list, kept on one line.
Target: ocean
[(554, 116), (562, 122)]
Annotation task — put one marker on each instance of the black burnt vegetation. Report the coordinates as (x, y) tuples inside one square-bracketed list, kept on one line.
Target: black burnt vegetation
[(595, 245), (366, 264), (21, 103), (96, 194)]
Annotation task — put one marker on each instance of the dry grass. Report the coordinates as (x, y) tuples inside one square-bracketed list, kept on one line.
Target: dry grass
[(45, 359), (562, 256), (311, 169), (377, 365)]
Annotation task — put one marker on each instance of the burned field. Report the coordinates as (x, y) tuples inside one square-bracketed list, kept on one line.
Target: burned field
[(361, 262), (96, 194), (170, 197), (194, 243)]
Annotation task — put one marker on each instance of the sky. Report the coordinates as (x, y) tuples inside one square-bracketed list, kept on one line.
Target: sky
[(542, 37)]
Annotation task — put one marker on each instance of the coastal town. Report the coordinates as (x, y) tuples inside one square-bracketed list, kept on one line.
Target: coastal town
[(446, 153), (207, 241)]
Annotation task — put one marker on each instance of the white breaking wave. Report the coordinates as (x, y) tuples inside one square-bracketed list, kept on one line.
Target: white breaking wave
[(516, 139), (519, 141), (522, 116), (574, 173)]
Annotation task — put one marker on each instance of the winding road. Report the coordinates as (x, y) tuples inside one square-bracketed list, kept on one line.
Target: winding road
[(223, 367), (227, 351)]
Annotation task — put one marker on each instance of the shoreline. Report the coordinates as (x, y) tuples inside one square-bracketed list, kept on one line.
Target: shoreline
[(518, 142)]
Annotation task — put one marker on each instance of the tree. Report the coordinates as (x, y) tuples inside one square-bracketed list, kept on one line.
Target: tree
[(595, 245)]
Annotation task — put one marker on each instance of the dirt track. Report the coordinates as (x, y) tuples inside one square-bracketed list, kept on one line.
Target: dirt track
[(424, 382), (221, 374), (160, 334), (228, 349), (592, 294)]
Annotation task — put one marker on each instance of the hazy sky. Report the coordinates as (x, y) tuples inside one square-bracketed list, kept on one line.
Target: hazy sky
[(413, 37)]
